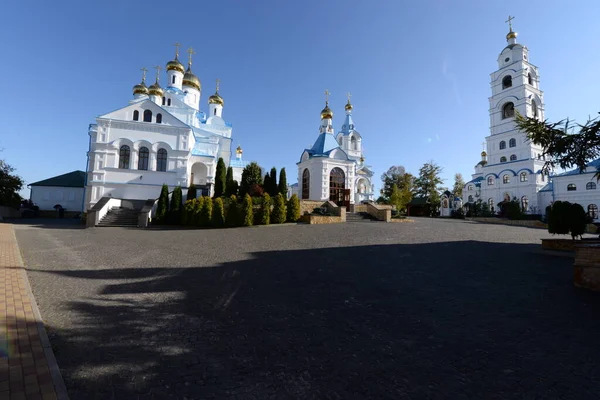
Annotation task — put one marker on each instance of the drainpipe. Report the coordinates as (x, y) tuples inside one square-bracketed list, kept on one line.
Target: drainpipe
[(87, 167)]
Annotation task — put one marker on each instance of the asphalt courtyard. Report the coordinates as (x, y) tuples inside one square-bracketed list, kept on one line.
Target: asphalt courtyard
[(436, 309)]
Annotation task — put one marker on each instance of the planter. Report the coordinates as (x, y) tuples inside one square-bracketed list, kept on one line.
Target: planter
[(565, 244), (586, 268)]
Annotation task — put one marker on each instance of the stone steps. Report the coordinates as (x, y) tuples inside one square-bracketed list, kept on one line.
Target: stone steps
[(120, 217)]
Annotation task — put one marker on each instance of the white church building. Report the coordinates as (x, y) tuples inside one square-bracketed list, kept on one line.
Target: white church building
[(161, 137), (511, 167), (334, 167)]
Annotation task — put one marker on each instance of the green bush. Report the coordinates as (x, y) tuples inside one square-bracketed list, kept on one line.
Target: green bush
[(175, 208), (558, 218), (188, 212), (163, 205), (282, 185), (247, 211), (265, 210), (218, 213), (206, 212), (512, 210), (279, 210), (293, 207), (231, 186), (192, 193), (220, 178), (196, 218), (232, 212), (577, 220)]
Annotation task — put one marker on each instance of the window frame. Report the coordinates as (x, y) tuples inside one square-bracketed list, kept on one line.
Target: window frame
[(506, 82), (490, 181), (147, 116), (162, 160), (305, 184), (505, 179), (523, 177), (124, 157), (503, 159), (508, 110), (571, 187), (512, 142), (136, 115), (513, 157), (502, 145), (143, 158), (590, 186)]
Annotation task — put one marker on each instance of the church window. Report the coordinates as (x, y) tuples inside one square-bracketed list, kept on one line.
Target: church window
[(168, 102), (144, 154), (506, 82), (530, 79), (507, 59), (124, 153), (470, 198), (508, 110), (470, 187), (161, 160), (491, 204), (593, 211), (502, 145), (147, 116), (512, 142), (164, 101), (306, 184), (215, 112), (590, 186), (571, 187), (506, 179), (490, 181), (337, 184), (502, 159), (523, 177), (159, 118), (353, 144), (136, 115), (524, 203), (173, 80), (513, 157), (534, 109)]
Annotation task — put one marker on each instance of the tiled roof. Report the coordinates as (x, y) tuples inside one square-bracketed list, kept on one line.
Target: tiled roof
[(71, 179)]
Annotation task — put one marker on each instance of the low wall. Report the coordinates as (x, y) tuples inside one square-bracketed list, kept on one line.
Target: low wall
[(515, 222), (307, 206), (9, 212), (360, 208), (380, 212), (321, 219), (566, 244), (586, 269)]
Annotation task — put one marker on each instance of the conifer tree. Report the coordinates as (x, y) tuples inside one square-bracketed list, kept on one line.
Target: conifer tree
[(188, 212), (283, 189), (191, 193), (163, 205), (232, 212), (293, 209), (250, 176), (279, 210), (175, 208), (267, 183), (218, 213), (265, 210), (197, 219), (272, 190), (229, 188), (206, 211), (247, 211), (220, 178)]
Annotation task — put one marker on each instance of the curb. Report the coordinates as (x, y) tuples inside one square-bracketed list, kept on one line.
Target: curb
[(57, 379)]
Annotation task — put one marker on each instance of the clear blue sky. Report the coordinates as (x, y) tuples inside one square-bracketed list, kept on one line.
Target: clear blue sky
[(418, 72)]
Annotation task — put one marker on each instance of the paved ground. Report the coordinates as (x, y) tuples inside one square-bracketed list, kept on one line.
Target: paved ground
[(435, 309)]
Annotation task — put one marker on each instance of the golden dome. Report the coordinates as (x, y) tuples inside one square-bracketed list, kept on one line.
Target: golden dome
[(155, 90), (511, 35), (326, 112), (483, 154), (175, 65), (140, 88), (216, 99), (348, 106), (189, 79), (239, 150)]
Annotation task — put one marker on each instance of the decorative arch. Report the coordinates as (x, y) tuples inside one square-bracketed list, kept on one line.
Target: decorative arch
[(492, 174), (337, 185), (147, 115), (143, 158), (305, 184), (141, 143), (502, 159), (338, 154), (512, 142), (161, 145), (162, 159), (525, 169), (502, 145), (513, 157), (590, 186), (507, 170), (136, 115), (508, 110), (124, 156), (506, 82)]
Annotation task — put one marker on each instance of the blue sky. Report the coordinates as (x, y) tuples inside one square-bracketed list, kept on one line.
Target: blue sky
[(418, 72)]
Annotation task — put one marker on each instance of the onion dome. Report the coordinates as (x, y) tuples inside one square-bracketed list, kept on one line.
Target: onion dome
[(189, 79), (483, 154), (326, 113), (348, 106), (155, 90), (239, 150), (175, 65), (362, 159), (511, 35), (216, 99), (140, 88)]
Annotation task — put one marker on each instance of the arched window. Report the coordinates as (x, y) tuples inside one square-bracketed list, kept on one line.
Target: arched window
[(571, 187), (306, 184), (491, 204), (168, 102), (506, 82), (124, 154), (164, 101), (147, 116), (593, 211), (530, 79), (502, 159), (523, 176), (506, 179), (143, 156), (136, 115), (534, 109), (502, 145), (353, 144), (524, 203), (470, 198), (490, 180), (470, 187), (161, 160), (159, 118), (337, 184), (590, 186), (513, 157), (508, 110), (512, 142), (173, 80)]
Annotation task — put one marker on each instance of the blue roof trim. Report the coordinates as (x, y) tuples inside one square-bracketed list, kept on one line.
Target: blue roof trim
[(593, 164), (509, 170), (526, 169), (492, 174), (547, 188), (324, 144), (508, 162), (238, 163)]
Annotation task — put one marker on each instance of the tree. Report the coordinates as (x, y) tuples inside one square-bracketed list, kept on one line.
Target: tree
[(218, 213), (187, 216), (397, 175), (232, 212), (400, 198), (459, 184), (175, 208), (428, 183), (266, 183), (220, 178), (163, 205), (279, 210), (10, 185), (191, 193), (265, 210), (231, 186), (283, 189), (577, 220), (273, 189), (293, 208), (563, 147), (206, 211), (251, 175), (247, 211), (197, 214)]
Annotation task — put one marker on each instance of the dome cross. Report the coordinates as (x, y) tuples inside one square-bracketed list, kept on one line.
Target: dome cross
[(190, 51), (144, 70), (218, 83), (509, 21), (157, 68), (327, 96), (177, 44)]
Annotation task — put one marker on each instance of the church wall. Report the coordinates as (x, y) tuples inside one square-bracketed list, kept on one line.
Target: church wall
[(46, 197), (581, 195)]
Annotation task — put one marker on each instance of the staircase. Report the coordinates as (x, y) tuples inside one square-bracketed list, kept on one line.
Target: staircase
[(358, 217), (119, 216)]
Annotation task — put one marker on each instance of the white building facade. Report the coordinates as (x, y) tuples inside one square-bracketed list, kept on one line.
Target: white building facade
[(510, 167), (161, 137), (65, 191), (333, 168)]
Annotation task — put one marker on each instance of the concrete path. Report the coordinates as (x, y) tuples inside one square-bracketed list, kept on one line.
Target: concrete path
[(27, 365)]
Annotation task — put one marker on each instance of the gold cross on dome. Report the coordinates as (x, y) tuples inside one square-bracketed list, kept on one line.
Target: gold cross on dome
[(509, 20), (483, 146), (144, 70), (348, 95), (157, 68), (218, 82), (190, 51), (177, 44), (327, 95)]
